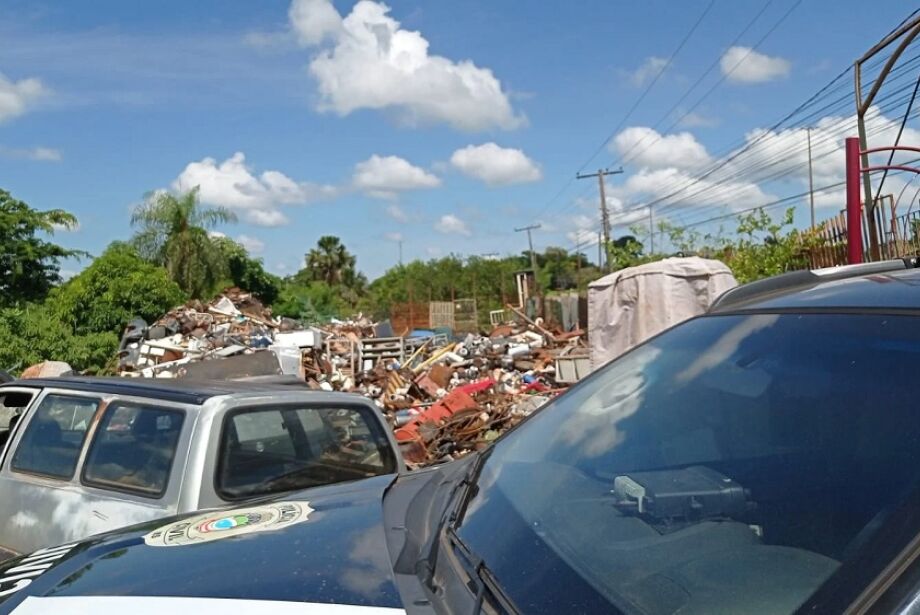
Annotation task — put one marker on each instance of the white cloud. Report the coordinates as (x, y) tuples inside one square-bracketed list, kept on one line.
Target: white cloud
[(396, 212), (650, 67), (384, 176), (433, 251), (449, 224), (256, 199), (647, 148), (252, 244), (17, 96), (653, 183), (314, 20), (394, 236), (786, 151), (216, 235), (496, 165), (372, 63), (38, 154), (744, 65)]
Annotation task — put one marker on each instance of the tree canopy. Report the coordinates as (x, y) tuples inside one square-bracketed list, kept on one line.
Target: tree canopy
[(173, 233), (29, 264), (117, 286), (247, 272)]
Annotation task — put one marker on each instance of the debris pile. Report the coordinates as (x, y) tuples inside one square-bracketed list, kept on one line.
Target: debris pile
[(235, 324), (444, 396)]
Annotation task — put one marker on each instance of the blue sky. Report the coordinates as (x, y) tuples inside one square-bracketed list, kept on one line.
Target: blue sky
[(305, 124)]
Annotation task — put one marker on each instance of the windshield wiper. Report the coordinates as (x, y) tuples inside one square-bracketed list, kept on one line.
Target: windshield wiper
[(450, 516), (481, 579)]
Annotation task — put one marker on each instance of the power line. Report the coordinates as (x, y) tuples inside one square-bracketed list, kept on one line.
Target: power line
[(725, 76), (648, 89), (632, 109)]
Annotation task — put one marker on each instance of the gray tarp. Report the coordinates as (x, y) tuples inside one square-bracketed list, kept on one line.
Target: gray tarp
[(628, 307)]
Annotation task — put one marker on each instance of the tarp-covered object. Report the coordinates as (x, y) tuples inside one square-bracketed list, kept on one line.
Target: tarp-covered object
[(628, 307)]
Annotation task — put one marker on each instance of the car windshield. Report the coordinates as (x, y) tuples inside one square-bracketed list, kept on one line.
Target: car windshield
[(732, 464)]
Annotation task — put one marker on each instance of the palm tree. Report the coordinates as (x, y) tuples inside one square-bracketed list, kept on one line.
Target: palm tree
[(174, 234), (330, 261)]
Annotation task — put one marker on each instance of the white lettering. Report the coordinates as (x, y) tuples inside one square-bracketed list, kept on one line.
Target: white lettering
[(19, 585), (30, 567), (23, 575), (41, 553)]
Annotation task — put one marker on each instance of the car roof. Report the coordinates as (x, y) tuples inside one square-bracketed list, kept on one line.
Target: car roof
[(181, 390), (870, 287)]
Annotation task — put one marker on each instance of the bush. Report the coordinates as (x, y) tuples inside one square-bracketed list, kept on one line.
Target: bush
[(33, 334), (118, 286)]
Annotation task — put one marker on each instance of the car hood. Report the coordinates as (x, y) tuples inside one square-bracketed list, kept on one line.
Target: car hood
[(323, 546)]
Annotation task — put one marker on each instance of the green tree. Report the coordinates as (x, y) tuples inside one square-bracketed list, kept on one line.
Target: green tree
[(174, 234), (330, 262), (29, 265), (118, 286), (32, 333), (313, 302), (765, 247), (247, 272)]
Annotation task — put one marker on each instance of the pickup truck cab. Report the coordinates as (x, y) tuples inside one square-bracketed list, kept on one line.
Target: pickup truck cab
[(82, 456)]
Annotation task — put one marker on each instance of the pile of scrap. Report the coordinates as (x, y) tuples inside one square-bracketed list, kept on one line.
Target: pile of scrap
[(447, 400), (235, 328), (444, 396)]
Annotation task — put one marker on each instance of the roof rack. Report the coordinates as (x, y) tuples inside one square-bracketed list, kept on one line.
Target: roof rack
[(799, 280)]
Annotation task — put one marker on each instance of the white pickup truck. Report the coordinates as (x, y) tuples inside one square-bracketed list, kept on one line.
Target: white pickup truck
[(79, 456)]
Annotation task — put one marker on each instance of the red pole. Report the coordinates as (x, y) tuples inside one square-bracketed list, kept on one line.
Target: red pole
[(854, 203)]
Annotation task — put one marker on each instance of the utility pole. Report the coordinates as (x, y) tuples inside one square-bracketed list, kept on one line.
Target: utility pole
[(533, 256), (400, 253), (605, 216), (600, 247), (651, 231), (811, 181), (578, 258)]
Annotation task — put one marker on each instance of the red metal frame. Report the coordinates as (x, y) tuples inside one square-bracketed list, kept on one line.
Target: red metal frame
[(854, 201)]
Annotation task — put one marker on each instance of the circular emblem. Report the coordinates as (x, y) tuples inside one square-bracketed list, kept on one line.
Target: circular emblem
[(216, 525)]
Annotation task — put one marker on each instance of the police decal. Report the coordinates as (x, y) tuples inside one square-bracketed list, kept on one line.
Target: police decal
[(220, 524)]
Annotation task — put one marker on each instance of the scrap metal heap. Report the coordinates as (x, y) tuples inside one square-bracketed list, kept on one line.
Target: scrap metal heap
[(444, 396)]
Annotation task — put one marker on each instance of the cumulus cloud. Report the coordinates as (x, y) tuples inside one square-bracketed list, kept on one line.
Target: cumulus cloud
[(17, 96), (496, 165), (384, 176), (37, 154), (648, 148), (256, 198), (786, 151), (650, 67), (394, 236), (252, 244), (449, 224), (314, 20), (744, 65), (654, 183), (371, 62), (769, 164)]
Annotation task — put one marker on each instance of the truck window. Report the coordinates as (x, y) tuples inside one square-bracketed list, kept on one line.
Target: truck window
[(265, 451), (12, 405), (54, 436), (133, 449)]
